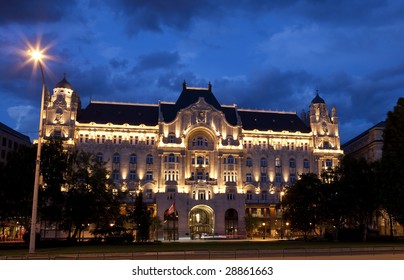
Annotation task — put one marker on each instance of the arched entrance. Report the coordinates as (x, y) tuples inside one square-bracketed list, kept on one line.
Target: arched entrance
[(201, 222), (231, 223)]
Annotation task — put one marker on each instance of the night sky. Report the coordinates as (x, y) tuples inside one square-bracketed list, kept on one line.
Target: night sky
[(270, 55)]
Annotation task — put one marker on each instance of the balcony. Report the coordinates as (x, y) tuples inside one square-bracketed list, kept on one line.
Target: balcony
[(193, 181)]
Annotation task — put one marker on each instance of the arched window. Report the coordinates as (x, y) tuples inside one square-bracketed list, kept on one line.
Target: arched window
[(306, 164), (264, 162), (230, 160), (132, 159), (249, 162), (292, 163), (277, 162), (116, 158)]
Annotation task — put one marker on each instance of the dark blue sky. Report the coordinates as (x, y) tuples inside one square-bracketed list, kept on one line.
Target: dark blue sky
[(258, 54)]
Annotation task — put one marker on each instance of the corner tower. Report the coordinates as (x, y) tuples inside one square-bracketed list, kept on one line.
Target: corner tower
[(61, 112), (326, 140)]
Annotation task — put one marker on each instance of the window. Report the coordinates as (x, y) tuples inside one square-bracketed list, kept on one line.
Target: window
[(115, 175), (171, 158), (199, 142), (116, 158), (306, 164), (249, 162), (100, 157), (264, 196), (132, 175), (292, 163), (248, 178), (278, 162), (278, 178), (231, 194), (249, 195), (202, 195), (292, 178), (149, 159), (199, 175), (132, 159), (171, 138), (264, 162), (149, 175), (326, 145), (230, 160), (328, 163), (148, 194), (199, 160), (263, 178)]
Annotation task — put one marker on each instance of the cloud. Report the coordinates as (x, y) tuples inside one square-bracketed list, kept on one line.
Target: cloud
[(22, 114), (158, 60), (118, 62), (28, 11)]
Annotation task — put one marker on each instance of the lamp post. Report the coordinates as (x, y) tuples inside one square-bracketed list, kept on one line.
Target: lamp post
[(281, 194), (263, 224), (37, 57)]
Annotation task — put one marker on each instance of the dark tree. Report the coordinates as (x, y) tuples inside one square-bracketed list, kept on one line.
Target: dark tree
[(16, 186), (392, 163), (89, 197), (302, 204), (141, 219)]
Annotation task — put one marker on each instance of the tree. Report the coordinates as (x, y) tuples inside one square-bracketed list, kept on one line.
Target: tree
[(142, 219), (392, 163), (251, 224), (16, 188), (53, 169), (301, 204), (90, 197)]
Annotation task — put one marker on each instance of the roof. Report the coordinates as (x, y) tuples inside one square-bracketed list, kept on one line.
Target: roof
[(275, 121), (317, 99), (64, 84), (380, 125), (13, 132), (119, 113), (136, 114)]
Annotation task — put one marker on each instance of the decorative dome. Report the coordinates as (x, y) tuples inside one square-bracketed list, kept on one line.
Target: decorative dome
[(317, 99), (64, 84)]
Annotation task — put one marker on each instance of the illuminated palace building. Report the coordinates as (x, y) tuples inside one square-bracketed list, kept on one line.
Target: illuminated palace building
[(202, 167)]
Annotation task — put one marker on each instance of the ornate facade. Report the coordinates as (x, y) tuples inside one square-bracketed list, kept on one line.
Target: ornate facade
[(202, 166)]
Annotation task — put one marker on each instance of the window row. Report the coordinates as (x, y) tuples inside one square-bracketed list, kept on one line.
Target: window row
[(278, 163), (116, 175), (101, 139), (116, 158), (277, 146)]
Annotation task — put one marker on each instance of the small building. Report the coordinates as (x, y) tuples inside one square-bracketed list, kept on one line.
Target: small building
[(10, 140)]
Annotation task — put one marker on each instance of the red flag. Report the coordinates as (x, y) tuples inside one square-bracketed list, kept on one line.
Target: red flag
[(171, 209)]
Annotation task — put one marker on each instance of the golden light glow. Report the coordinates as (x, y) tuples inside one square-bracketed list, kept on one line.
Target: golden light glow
[(37, 55)]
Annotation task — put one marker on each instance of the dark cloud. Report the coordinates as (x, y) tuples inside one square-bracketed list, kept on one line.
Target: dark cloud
[(29, 11), (118, 63), (157, 60), (156, 15)]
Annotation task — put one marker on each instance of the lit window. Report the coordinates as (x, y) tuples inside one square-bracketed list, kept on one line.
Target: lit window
[(278, 162)]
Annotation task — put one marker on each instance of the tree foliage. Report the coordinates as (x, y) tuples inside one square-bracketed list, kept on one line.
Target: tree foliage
[(142, 219), (392, 163)]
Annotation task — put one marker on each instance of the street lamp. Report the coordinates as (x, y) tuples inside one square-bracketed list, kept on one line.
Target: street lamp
[(37, 56), (281, 194), (263, 224)]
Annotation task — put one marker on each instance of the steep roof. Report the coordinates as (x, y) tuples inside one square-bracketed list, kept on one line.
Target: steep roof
[(119, 113), (14, 133), (267, 120)]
